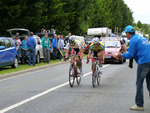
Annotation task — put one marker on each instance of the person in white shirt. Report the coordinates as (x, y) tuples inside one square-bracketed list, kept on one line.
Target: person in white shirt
[(60, 45)]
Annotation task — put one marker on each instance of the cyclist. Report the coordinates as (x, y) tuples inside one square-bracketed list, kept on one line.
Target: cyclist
[(98, 50), (77, 46)]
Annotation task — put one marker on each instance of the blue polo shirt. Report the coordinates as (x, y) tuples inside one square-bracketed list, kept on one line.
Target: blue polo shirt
[(54, 42), (139, 49), (31, 42)]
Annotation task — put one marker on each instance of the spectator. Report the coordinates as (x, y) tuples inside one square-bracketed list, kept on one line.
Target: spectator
[(123, 47), (67, 38), (60, 46), (24, 50), (58, 37), (46, 45), (54, 42), (87, 48), (18, 43), (51, 47), (139, 49), (31, 44)]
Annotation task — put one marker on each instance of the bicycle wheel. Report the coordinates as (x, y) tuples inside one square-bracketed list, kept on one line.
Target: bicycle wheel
[(98, 79), (94, 76), (71, 75), (78, 78)]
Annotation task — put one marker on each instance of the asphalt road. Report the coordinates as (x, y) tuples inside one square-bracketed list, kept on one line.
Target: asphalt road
[(48, 91)]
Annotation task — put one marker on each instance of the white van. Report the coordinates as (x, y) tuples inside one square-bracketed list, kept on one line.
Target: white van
[(99, 31)]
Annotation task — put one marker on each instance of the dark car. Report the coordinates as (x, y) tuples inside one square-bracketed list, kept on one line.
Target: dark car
[(50, 35), (22, 32), (8, 53), (25, 32)]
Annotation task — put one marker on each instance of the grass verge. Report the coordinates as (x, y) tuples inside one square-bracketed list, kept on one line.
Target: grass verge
[(8, 69)]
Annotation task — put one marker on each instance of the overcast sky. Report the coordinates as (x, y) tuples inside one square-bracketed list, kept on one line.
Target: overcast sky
[(140, 9)]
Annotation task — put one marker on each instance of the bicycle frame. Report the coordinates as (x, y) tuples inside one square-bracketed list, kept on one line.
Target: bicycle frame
[(95, 71), (74, 62), (73, 67)]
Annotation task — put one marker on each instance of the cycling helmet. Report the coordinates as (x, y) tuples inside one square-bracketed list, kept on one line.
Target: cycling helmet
[(71, 39), (95, 40)]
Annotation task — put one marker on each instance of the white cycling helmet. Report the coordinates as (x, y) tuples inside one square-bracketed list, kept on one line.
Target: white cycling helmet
[(95, 40), (71, 39)]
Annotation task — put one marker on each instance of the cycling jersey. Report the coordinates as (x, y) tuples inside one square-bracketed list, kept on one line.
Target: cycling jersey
[(96, 49), (77, 44)]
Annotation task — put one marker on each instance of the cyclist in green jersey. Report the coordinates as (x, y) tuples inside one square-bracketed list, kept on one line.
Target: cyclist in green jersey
[(98, 50)]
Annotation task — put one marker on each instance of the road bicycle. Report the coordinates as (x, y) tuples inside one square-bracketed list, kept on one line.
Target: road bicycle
[(74, 72), (96, 74)]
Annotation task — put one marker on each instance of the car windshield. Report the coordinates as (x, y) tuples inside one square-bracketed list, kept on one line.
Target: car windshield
[(112, 44), (21, 33)]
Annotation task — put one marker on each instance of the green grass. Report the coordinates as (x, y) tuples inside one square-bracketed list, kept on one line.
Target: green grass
[(8, 69)]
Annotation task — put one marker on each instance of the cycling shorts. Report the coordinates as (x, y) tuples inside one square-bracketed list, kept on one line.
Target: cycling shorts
[(95, 53)]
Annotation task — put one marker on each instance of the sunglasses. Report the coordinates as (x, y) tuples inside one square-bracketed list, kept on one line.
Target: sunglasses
[(95, 44)]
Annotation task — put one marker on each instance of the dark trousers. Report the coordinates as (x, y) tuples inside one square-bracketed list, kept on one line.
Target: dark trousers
[(46, 55), (60, 55), (54, 53), (18, 53), (143, 71), (32, 52), (24, 56)]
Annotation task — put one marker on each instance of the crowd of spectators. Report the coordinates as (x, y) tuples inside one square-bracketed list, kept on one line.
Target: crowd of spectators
[(51, 48)]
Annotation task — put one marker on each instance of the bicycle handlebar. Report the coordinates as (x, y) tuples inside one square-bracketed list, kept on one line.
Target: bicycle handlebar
[(97, 58)]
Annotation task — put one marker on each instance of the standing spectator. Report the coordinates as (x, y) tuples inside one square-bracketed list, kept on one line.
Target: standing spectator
[(18, 43), (67, 38), (31, 44), (58, 37), (123, 47), (46, 45), (51, 47), (24, 50), (54, 42), (139, 50), (60, 46), (87, 48)]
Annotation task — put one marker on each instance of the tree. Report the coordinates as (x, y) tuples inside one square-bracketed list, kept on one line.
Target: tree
[(139, 24)]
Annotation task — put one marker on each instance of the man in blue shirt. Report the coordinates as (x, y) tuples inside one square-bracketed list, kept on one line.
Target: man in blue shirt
[(31, 43), (139, 50), (54, 42)]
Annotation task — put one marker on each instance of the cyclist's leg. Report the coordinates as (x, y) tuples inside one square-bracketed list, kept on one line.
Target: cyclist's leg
[(78, 58), (94, 55), (79, 61), (99, 54)]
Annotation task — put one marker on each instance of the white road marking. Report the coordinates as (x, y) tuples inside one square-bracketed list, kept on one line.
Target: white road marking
[(39, 95)]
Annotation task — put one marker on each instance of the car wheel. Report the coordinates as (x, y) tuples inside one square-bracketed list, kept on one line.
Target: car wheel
[(38, 58), (15, 65), (124, 60)]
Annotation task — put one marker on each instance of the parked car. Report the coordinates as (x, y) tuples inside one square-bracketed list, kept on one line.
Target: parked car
[(112, 47), (25, 32), (22, 32), (39, 49), (50, 35), (8, 53)]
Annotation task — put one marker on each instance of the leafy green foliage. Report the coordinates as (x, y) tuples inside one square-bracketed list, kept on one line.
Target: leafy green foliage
[(74, 16)]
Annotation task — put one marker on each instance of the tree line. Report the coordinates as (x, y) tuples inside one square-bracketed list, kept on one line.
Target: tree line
[(65, 16), (143, 28)]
